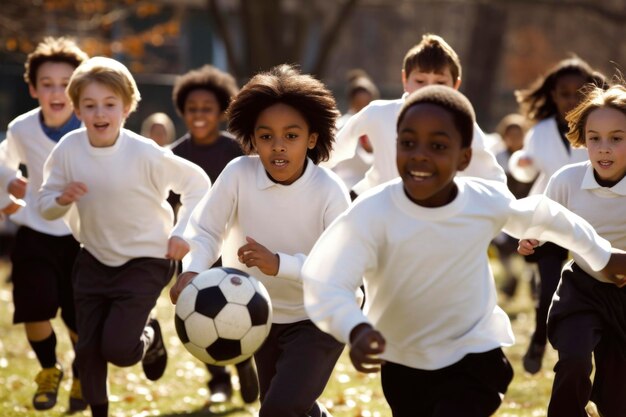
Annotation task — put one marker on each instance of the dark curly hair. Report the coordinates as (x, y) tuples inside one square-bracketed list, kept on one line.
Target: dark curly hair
[(285, 84), (209, 78)]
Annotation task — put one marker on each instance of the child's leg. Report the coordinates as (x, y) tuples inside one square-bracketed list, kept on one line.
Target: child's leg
[(610, 378), (471, 387), (293, 380), (574, 337)]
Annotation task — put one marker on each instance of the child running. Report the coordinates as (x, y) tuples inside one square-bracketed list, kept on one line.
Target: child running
[(546, 149), (113, 186), (44, 250), (587, 313), (263, 215), (419, 243)]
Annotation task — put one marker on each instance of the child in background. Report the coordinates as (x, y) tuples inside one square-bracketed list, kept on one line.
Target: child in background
[(160, 128), (511, 131), (263, 215), (586, 315), (361, 91), (201, 97), (432, 61), (44, 250), (113, 184), (430, 322), (546, 149)]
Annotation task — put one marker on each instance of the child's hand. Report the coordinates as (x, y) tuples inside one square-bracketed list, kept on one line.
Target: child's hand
[(254, 254), (365, 345), (524, 161), (181, 282), (72, 192), (17, 187), (11, 208), (527, 246), (615, 270), (177, 248)]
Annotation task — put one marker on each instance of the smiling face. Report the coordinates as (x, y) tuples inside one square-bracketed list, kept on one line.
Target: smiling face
[(281, 138), (202, 115), (103, 112), (605, 139), (429, 154), (49, 89)]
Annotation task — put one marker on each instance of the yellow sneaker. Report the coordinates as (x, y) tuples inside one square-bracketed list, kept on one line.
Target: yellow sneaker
[(77, 403), (48, 381)]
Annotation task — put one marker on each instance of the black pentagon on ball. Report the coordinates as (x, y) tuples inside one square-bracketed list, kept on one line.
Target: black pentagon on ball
[(210, 301), (180, 329), (259, 309), (224, 349), (235, 271)]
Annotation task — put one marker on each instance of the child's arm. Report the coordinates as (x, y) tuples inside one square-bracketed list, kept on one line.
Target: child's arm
[(521, 163), (483, 163), (540, 218), (57, 193), (347, 139)]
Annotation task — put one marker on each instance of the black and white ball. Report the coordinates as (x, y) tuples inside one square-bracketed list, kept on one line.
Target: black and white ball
[(223, 316)]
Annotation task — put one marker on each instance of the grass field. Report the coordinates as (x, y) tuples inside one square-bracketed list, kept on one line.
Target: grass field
[(183, 392)]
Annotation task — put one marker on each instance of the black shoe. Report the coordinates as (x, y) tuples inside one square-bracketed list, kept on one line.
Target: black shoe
[(248, 381), (220, 388), (155, 359), (533, 357)]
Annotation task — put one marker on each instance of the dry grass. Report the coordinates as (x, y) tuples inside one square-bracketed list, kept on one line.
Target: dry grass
[(182, 391)]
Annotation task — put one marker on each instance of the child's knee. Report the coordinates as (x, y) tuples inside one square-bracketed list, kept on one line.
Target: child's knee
[(121, 355), (574, 366)]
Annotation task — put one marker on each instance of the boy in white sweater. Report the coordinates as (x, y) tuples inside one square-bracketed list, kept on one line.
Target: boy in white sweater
[(45, 250), (431, 61), (113, 186), (419, 244)]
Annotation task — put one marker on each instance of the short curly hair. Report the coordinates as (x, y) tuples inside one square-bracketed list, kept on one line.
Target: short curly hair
[(285, 84), (50, 49), (209, 78), (451, 100), (596, 98)]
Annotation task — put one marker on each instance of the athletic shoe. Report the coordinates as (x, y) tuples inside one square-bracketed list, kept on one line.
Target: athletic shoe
[(48, 381), (155, 359), (248, 381), (220, 388), (77, 402), (533, 358)]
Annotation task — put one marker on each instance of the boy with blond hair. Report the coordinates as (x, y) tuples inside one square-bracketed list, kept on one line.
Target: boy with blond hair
[(44, 250), (432, 61), (112, 184)]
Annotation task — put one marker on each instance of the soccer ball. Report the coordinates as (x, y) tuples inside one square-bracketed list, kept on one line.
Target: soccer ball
[(223, 316)]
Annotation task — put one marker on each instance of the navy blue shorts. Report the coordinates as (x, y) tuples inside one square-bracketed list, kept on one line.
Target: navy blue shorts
[(42, 276)]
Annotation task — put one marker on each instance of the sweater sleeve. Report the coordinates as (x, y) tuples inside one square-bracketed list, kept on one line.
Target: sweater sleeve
[(206, 228), (54, 181), (9, 161), (332, 274), (539, 217), (190, 182), (347, 139), (529, 172)]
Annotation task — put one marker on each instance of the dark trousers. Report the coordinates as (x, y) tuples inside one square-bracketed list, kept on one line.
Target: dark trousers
[(471, 387), (587, 318), (113, 305), (294, 365), (549, 265)]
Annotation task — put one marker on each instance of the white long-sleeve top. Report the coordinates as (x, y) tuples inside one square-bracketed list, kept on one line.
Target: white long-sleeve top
[(543, 144), (124, 214), (286, 219), (429, 288), (378, 121), (575, 187), (26, 143)]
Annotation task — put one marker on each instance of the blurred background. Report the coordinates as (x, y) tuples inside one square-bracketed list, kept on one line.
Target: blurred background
[(503, 44)]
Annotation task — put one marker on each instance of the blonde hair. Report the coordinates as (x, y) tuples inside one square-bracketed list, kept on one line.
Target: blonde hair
[(108, 72), (51, 49), (596, 98)]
